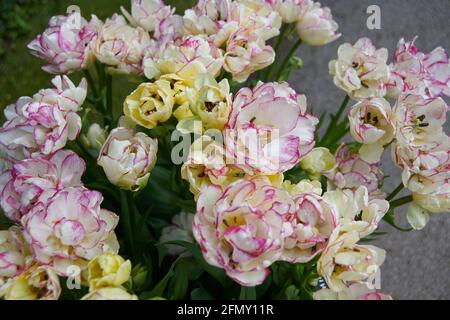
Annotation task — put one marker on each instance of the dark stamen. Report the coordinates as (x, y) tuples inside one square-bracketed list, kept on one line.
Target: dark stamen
[(209, 106)]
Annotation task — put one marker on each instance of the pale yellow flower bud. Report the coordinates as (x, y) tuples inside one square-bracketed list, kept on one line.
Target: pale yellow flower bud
[(106, 270), (95, 137), (210, 101), (435, 202), (417, 216), (304, 186), (318, 161), (150, 103)]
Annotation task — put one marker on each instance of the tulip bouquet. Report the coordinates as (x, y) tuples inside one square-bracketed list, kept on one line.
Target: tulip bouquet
[(212, 181)]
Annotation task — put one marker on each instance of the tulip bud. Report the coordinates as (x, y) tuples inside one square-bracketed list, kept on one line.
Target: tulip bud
[(95, 137), (435, 202), (316, 162), (316, 27), (150, 103), (127, 158), (417, 216), (109, 269)]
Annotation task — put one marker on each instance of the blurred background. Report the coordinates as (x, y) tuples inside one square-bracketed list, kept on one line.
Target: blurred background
[(418, 263)]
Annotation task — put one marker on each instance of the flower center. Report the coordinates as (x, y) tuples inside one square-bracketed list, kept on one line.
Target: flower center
[(69, 232), (233, 220)]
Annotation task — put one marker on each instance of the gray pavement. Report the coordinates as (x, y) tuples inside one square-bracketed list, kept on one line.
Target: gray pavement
[(418, 263)]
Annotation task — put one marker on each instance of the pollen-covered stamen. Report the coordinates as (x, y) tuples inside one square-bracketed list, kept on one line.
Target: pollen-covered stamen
[(370, 119), (233, 220), (419, 122), (210, 106)]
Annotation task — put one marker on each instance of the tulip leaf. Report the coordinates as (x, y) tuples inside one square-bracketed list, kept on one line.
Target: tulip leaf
[(262, 289), (5, 223), (158, 290), (201, 294), (247, 293), (216, 273), (180, 281), (292, 293)]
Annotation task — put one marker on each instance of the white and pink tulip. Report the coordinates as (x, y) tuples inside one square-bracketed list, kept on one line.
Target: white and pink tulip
[(69, 227), (242, 228), (361, 70), (122, 47), (22, 186), (269, 129), (64, 46), (127, 158), (351, 172), (312, 225), (372, 124)]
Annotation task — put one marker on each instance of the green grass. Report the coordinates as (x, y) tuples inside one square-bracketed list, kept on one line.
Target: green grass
[(20, 72)]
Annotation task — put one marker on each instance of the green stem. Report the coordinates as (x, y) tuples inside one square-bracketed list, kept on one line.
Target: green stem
[(100, 68), (125, 220), (280, 38), (335, 120), (291, 53), (401, 201), (338, 137), (395, 192), (109, 104)]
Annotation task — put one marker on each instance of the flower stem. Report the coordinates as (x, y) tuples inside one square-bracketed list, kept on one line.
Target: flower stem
[(291, 53), (335, 120), (125, 220), (109, 104), (401, 201), (100, 68), (395, 192), (280, 38)]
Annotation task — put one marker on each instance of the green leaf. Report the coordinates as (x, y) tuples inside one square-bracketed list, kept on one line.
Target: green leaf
[(158, 290), (247, 293), (5, 223), (125, 221), (180, 281), (216, 273), (296, 174), (292, 293), (262, 289), (139, 276), (201, 294), (71, 294), (281, 273), (187, 205)]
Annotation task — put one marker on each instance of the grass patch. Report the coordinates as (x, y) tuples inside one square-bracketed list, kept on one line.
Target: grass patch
[(20, 72)]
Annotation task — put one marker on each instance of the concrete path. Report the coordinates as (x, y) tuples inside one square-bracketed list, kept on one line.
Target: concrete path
[(418, 263)]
